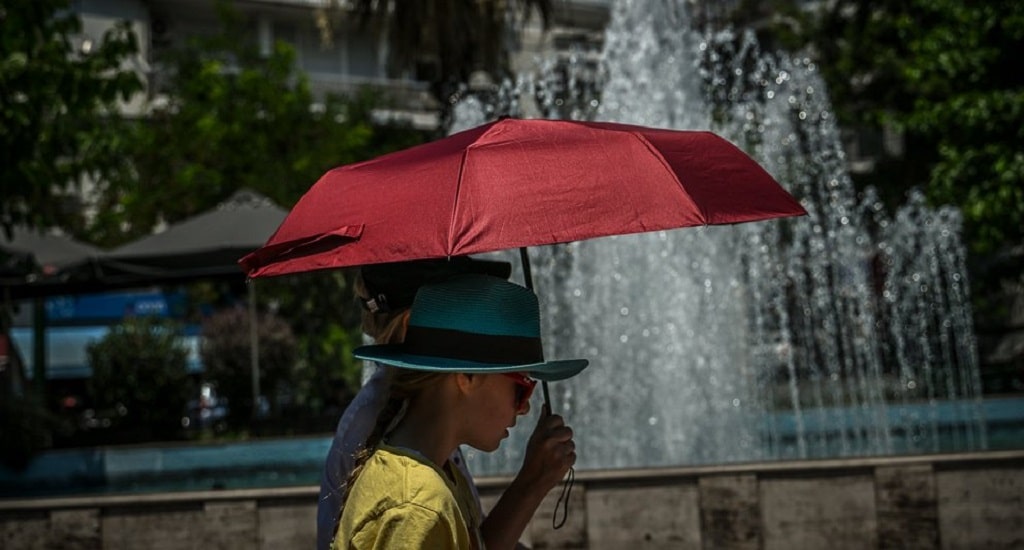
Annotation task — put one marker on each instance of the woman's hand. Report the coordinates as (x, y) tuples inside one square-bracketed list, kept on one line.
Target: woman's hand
[(550, 453)]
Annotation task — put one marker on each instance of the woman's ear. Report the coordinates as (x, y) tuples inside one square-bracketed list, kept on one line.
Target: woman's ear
[(466, 381), (405, 323)]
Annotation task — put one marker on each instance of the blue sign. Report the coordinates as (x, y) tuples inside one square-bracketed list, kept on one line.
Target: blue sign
[(111, 306)]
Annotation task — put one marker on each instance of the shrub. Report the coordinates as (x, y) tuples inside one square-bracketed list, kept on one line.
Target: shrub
[(139, 370), (25, 427), (226, 354)]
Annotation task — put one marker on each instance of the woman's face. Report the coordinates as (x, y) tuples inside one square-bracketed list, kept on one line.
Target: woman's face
[(497, 401)]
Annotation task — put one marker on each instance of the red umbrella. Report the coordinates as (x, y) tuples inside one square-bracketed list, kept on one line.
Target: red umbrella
[(515, 183)]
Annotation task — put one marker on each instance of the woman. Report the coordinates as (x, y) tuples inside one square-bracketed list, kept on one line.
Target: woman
[(463, 377), (386, 292)]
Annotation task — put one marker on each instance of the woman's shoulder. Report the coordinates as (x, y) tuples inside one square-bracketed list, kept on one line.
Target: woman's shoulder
[(396, 477), (400, 494)]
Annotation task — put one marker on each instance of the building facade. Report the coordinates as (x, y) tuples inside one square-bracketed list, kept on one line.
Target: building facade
[(341, 61)]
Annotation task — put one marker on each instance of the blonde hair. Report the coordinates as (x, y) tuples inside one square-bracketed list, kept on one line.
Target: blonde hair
[(403, 384)]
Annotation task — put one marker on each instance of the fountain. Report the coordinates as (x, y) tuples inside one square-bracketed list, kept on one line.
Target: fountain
[(844, 333)]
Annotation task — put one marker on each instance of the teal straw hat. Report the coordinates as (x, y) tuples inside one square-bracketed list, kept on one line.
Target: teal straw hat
[(473, 324)]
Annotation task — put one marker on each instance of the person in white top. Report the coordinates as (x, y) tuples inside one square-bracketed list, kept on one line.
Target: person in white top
[(386, 291)]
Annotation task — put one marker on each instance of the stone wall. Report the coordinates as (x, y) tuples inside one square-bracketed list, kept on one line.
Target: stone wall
[(958, 501)]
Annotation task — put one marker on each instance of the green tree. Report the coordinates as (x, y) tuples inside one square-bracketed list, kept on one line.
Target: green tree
[(945, 72), (226, 350), (140, 377), (326, 321), (58, 99), (229, 118)]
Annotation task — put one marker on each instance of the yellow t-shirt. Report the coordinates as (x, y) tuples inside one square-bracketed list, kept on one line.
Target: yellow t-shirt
[(401, 500)]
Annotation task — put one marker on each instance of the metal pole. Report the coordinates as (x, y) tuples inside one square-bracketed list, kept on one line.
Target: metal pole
[(39, 347), (254, 349)]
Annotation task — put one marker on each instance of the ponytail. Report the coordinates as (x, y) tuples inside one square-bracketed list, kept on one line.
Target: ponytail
[(384, 327), (387, 420)]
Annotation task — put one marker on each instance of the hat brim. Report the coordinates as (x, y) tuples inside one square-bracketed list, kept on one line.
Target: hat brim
[(549, 371)]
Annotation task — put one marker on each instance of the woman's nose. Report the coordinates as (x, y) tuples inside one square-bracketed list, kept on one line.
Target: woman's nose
[(524, 407)]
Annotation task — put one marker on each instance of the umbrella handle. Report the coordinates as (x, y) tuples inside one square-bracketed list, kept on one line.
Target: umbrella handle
[(563, 499), (527, 274)]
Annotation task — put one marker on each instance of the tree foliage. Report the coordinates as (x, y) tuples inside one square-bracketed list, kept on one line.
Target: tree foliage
[(140, 375), (946, 73), (25, 429), (58, 94), (225, 117), (323, 314), (230, 117)]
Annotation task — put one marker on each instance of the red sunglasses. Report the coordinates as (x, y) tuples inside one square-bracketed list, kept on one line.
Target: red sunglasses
[(524, 387)]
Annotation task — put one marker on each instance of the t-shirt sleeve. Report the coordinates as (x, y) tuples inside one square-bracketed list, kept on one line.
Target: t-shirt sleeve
[(407, 526)]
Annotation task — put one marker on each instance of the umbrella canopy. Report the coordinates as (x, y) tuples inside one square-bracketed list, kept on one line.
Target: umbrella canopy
[(32, 261), (206, 246), (516, 183), (31, 250)]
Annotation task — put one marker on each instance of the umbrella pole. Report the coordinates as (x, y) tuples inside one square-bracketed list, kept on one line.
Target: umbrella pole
[(524, 258), (563, 499)]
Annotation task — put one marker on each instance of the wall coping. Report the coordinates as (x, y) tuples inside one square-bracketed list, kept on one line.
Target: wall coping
[(617, 476)]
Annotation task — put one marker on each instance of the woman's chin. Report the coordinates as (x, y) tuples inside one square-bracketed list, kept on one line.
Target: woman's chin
[(489, 447)]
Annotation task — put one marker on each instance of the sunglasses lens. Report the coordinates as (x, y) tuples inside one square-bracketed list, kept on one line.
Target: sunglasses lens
[(524, 388), (523, 394)]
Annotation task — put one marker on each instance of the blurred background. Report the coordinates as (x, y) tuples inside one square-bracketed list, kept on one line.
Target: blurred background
[(149, 144)]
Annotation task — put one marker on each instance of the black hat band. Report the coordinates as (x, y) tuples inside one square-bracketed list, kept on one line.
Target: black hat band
[(469, 346)]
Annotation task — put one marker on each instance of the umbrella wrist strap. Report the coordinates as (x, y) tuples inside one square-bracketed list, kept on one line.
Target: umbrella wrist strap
[(563, 500), (570, 478)]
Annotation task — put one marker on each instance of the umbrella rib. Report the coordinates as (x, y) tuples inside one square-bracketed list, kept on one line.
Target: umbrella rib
[(668, 168), (450, 245)]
